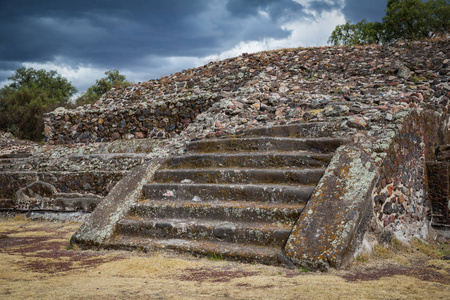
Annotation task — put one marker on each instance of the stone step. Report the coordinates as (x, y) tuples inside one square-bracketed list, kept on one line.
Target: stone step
[(213, 230), (326, 145), (245, 176), (230, 211), (218, 250), (228, 192), (250, 160), (15, 155), (108, 156), (302, 130)]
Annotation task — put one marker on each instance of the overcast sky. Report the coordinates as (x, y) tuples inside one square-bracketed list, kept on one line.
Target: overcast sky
[(147, 39)]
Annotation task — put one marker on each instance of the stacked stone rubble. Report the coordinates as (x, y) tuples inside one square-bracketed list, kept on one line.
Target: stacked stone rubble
[(276, 86)]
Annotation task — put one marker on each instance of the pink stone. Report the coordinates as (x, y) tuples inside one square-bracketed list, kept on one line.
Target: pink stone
[(279, 112), (283, 89), (140, 135)]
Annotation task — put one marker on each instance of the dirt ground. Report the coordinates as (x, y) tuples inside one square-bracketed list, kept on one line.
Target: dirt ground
[(36, 262)]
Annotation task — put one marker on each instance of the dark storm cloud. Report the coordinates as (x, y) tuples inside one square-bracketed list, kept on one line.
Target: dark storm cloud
[(276, 9), (93, 30), (321, 6), (372, 10), (113, 31), (140, 35)]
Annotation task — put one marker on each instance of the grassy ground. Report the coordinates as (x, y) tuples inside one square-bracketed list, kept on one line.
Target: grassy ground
[(37, 262)]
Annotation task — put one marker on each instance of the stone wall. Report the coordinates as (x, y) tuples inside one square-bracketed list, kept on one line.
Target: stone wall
[(96, 182), (72, 169), (158, 120), (401, 193)]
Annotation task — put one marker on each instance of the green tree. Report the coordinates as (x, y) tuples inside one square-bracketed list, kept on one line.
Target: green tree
[(438, 12), (113, 79), (404, 20), (57, 88), (31, 94), (360, 33)]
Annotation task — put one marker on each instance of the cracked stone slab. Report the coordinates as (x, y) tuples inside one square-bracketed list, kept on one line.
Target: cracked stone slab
[(336, 216)]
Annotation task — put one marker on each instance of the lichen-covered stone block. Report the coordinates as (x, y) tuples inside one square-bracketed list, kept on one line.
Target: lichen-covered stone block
[(336, 216), (101, 224)]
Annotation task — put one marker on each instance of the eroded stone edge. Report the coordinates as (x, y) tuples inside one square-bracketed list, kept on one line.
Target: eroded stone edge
[(100, 225), (336, 216)]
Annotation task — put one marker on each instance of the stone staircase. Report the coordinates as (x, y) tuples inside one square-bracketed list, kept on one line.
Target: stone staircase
[(235, 198)]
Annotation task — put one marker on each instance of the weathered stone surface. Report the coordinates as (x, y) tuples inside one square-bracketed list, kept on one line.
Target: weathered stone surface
[(101, 224), (34, 194), (43, 196), (72, 202), (400, 204), (336, 216), (404, 72), (95, 182), (10, 146)]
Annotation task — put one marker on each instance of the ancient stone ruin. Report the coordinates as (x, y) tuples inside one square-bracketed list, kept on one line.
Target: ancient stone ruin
[(297, 157)]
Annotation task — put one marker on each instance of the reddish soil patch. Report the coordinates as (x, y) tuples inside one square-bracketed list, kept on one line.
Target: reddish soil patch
[(213, 275), (425, 273), (62, 257), (291, 274)]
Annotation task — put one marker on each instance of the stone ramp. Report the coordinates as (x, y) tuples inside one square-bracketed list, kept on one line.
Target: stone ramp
[(236, 198)]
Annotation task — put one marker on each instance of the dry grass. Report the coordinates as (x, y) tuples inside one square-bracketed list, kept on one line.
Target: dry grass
[(37, 264)]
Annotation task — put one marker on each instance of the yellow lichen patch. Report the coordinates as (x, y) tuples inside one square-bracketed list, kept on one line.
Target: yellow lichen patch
[(315, 111)]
